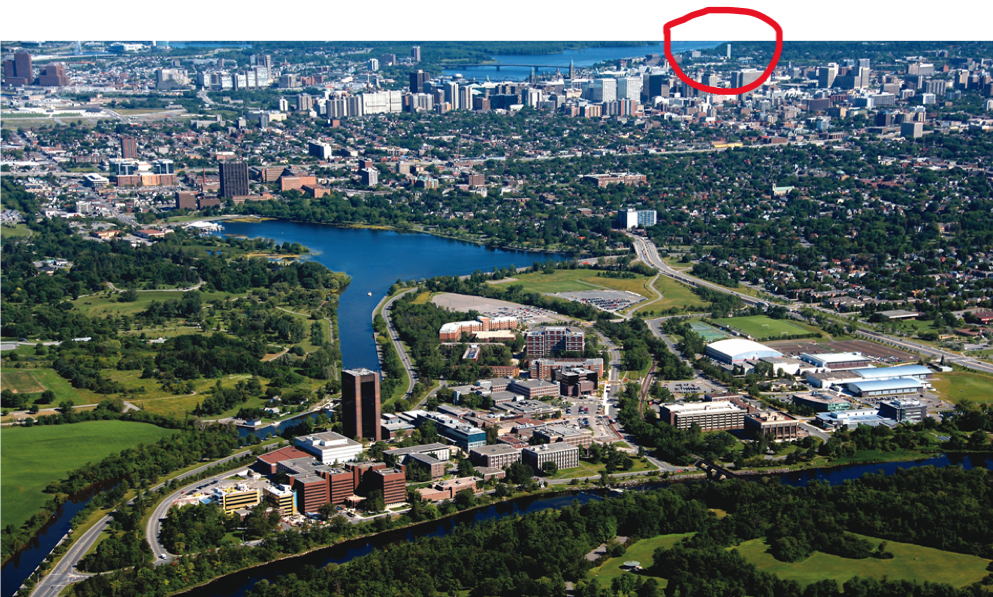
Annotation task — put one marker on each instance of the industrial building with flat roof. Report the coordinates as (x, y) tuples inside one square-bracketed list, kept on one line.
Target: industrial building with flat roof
[(329, 447), (821, 402), (873, 388), (710, 416), (915, 371), (837, 361), (737, 350)]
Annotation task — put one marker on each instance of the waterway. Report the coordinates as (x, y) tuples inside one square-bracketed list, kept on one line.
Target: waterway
[(580, 58), (16, 571), (238, 584), (375, 260)]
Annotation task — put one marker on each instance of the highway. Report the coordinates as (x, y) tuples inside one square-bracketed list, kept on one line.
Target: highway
[(65, 572)]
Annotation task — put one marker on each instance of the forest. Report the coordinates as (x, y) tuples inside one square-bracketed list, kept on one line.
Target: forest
[(535, 554)]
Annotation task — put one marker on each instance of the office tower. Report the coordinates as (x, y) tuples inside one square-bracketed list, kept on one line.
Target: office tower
[(417, 81), (741, 78), (164, 167), (826, 75), (370, 176), (415, 53), (373, 64), (654, 85), (863, 63), (54, 75), (360, 406), (572, 70), (186, 200), (729, 51), (452, 94), (604, 90), (18, 72), (465, 97), (234, 179), (129, 148), (629, 88)]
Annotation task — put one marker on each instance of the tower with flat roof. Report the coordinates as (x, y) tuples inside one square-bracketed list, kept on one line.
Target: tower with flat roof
[(360, 404)]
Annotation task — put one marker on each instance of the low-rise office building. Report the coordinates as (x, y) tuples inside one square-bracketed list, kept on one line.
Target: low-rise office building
[(237, 496), (446, 490), (575, 436), (439, 451), (460, 434), (778, 426), (495, 456), (903, 410), (710, 416), (563, 455), (850, 419), (534, 388)]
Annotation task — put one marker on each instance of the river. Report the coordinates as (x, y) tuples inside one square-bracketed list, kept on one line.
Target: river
[(375, 259), (580, 58), (17, 570), (239, 583)]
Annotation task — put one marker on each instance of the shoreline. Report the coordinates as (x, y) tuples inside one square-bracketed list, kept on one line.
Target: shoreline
[(568, 490), (359, 226)]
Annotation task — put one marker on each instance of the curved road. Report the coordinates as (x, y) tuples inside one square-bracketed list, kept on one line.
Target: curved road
[(65, 573), (395, 339)]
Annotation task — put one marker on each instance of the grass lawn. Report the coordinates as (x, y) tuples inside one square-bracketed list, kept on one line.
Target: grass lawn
[(33, 458), (639, 551), (910, 562), (964, 385), (15, 231), (588, 469), (571, 280), (96, 305), (32, 381), (423, 298), (762, 327), (674, 295)]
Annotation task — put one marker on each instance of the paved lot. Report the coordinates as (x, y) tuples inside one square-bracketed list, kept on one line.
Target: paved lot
[(495, 308), (605, 300)]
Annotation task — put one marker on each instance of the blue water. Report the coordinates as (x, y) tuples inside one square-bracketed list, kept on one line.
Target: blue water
[(205, 44), (581, 58), (375, 260), (22, 565)]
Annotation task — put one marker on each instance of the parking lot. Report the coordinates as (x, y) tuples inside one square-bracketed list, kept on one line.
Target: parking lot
[(605, 300)]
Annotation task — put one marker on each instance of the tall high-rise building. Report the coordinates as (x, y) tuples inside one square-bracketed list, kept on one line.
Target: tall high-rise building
[(604, 90), (452, 94), (18, 72), (826, 75), (629, 88), (360, 406), (417, 81), (129, 148), (729, 51), (415, 53), (234, 179), (373, 64), (740, 78), (654, 85)]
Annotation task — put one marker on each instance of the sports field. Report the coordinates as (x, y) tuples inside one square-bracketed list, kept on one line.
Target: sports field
[(957, 386), (708, 332), (910, 562), (35, 381), (33, 458), (762, 327)]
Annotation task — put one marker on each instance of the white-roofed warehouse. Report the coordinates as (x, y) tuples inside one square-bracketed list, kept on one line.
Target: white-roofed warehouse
[(737, 350)]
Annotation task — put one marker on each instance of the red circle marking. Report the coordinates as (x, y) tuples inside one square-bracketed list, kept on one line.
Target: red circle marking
[(729, 10)]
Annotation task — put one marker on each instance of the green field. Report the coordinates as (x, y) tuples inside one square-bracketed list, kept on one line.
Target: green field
[(964, 385), (35, 381), (910, 562), (761, 327), (15, 231), (98, 305), (674, 295), (639, 551), (33, 458), (588, 469), (574, 280)]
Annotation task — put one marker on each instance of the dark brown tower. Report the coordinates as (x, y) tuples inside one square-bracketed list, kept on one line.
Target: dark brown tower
[(360, 404)]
